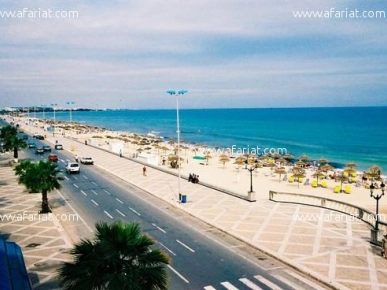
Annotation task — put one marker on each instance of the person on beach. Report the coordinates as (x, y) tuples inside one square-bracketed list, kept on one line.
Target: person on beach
[(144, 171)]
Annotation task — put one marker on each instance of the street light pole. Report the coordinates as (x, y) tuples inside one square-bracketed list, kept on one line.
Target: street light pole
[(377, 197), (181, 92), (70, 103), (251, 169), (54, 107)]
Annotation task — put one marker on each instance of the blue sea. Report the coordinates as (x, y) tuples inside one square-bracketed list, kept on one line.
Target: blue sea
[(341, 135)]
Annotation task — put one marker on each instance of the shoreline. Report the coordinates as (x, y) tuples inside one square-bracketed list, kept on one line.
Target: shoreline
[(225, 174)]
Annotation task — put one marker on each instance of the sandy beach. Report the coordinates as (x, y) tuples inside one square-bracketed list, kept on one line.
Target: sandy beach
[(217, 170)]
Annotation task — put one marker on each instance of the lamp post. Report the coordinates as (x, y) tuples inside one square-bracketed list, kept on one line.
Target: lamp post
[(70, 103), (375, 230), (43, 106), (181, 92), (54, 108), (251, 168)]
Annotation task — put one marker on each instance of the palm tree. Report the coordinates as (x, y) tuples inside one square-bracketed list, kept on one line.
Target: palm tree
[(39, 177), (12, 141), (119, 257)]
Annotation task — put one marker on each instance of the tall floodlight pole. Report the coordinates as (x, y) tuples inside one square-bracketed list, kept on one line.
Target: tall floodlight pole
[(54, 108), (70, 103), (182, 92), (43, 106)]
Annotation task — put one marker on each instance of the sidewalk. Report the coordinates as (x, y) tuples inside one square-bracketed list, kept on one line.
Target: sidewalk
[(44, 242), (333, 249)]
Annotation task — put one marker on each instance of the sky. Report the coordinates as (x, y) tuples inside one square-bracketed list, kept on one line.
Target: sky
[(225, 53)]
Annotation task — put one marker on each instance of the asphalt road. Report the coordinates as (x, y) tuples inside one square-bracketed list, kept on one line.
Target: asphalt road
[(202, 257)]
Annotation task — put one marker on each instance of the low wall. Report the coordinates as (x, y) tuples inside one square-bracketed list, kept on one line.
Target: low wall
[(346, 208)]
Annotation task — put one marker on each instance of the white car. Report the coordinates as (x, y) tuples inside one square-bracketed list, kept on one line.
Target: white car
[(87, 160), (72, 167)]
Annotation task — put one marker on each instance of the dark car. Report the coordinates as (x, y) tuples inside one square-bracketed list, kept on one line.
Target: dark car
[(25, 137), (39, 137), (39, 150), (31, 145), (53, 158), (46, 148), (58, 147)]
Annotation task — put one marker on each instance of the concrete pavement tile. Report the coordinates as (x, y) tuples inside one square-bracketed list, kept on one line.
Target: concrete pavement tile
[(267, 236), (304, 230), (347, 260), (271, 245), (302, 250), (323, 259), (352, 273), (247, 234), (322, 269), (278, 229)]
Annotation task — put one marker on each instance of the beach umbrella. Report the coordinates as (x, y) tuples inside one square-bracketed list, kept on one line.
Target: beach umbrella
[(275, 155), (322, 161), (351, 165), (140, 150), (318, 174), (304, 157), (373, 172), (350, 172), (300, 163), (207, 156), (240, 160), (298, 173), (281, 161), (342, 178), (280, 171), (224, 158), (326, 167), (288, 156)]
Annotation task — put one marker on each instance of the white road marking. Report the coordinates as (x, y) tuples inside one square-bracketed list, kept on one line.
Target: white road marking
[(107, 192), (228, 286), (288, 282), (209, 288), (65, 177), (120, 212), (94, 192), (94, 183), (119, 201), (267, 282), (250, 284), (107, 214), (160, 229), (94, 202), (84, 176), (75, 185), (84, 193), (178, 274), (136, 212), (306, 281), (161, 244), (76, 178), (184, 245), (75, 212)]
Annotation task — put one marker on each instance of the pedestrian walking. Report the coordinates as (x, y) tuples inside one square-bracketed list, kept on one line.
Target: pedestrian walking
[(144, 171)]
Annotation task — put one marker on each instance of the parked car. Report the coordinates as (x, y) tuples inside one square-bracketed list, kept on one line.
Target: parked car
[(39, 150), (87, 160), (53, 157), (31, 145), (58, 147), (46, 148), (72, 167), (25, 137)]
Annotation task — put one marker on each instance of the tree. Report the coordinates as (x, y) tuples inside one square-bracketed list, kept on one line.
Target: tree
[(12, 141), (119, 257), (39, 177)]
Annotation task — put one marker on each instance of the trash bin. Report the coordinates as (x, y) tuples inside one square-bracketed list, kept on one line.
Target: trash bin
[(183, 198)]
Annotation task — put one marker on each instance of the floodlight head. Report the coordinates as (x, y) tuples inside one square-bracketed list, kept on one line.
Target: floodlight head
[(171, 92), (182, 92)]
